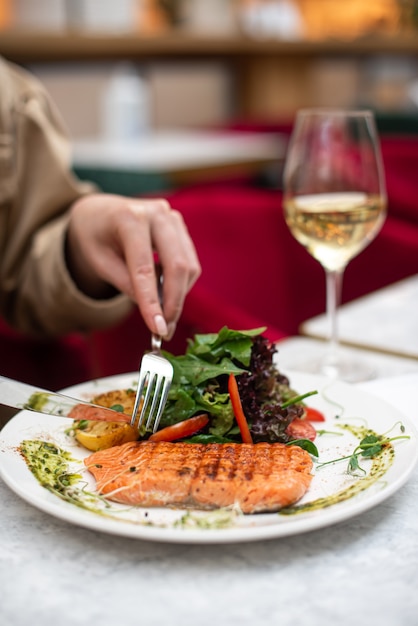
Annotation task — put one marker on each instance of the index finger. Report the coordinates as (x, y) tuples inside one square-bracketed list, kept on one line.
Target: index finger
[(179, 261), (139, 257)]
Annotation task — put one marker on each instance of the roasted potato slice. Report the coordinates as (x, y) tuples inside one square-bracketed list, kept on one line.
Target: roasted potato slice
[(121, 398), (99, 435)]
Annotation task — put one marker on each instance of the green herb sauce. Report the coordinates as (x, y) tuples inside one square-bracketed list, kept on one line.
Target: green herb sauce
[(49, 464), (37, 401), (51, 467), (212, 520), (380, 465)]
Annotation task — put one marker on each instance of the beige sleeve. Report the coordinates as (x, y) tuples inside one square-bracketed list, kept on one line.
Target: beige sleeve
[(37, 187)]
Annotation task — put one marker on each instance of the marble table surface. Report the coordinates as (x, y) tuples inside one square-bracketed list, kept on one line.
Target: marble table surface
[(392, 307), (362, 570)]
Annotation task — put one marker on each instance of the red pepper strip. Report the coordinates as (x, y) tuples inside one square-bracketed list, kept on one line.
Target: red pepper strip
[(181, 429), (238, 412)]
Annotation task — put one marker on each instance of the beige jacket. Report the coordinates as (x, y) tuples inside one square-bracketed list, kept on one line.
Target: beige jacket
[(37, 295)]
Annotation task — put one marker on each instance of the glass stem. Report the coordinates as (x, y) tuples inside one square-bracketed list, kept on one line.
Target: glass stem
[(334, 279)]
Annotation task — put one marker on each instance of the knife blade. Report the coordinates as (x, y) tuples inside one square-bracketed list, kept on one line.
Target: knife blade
[(22, 396)]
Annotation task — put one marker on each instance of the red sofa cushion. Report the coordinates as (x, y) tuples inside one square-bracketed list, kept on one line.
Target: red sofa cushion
[(400, 158), (249, 257), (254, 274), (50, 363)]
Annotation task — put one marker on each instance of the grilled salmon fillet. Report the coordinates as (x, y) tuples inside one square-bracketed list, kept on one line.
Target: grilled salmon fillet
[(257, 478)]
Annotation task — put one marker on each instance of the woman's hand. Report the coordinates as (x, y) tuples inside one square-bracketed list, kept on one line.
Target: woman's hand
[(112, 241)]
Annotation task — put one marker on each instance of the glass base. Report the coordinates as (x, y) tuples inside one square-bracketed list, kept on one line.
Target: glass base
[(347, 369)]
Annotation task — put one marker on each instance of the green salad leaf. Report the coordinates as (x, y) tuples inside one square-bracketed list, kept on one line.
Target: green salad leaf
[(233, 344), (199, 379), (200, 385)]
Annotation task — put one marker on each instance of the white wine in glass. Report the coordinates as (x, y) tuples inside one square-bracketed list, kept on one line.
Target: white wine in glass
[(334, 205)]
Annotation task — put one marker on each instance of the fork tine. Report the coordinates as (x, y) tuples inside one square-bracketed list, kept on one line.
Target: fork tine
[(155, 374), (143, 375), (159, 398), (158, 384), (163, 400), (151, 377)]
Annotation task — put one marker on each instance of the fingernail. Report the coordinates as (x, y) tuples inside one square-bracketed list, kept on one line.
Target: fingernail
[(160, 325), (170, 330)]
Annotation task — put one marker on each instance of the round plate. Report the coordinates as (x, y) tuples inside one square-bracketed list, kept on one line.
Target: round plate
[(340, 402)]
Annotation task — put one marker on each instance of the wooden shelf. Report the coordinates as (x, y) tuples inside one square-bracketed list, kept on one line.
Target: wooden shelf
[(271, 78), (24, 47)]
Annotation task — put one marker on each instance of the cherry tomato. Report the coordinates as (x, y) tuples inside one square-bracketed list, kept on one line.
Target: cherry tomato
[(301, 429), (181, 429), (313, 415)]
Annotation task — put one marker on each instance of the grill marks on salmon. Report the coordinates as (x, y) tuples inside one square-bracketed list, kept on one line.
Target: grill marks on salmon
[(257, 478)]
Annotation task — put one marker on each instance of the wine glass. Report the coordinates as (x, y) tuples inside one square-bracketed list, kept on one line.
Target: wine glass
[(334, 205)]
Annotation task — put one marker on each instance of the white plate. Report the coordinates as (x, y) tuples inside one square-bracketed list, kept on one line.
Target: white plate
[(358, 409)]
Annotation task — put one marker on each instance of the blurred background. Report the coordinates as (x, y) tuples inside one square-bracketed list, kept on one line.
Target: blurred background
[(195, 99), (207, 62)]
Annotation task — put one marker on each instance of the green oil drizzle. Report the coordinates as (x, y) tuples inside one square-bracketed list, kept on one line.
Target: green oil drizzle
[(37, 401), (381, 462), (212, 520), (50, 465)]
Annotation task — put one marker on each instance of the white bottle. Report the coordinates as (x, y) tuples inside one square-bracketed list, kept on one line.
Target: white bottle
[(125, 106)]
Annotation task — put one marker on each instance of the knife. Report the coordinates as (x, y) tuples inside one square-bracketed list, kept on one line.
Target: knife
[(27, 397)]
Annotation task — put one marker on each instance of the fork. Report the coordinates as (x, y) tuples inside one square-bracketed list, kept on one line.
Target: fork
[(154, 381)]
